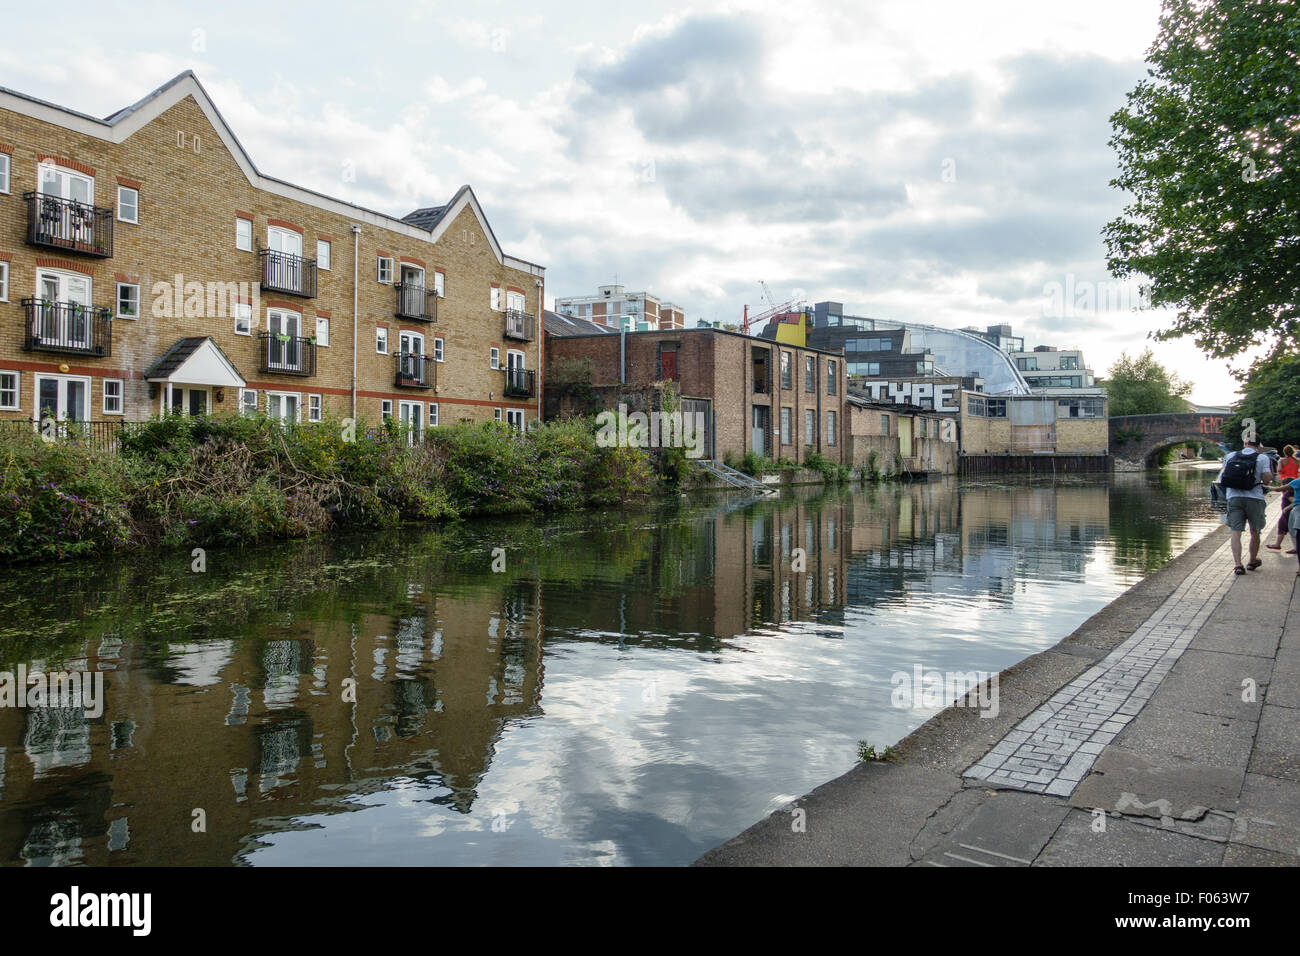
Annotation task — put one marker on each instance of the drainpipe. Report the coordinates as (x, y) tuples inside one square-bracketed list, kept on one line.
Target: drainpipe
[(541, 344), (356, 255), (622, 354)]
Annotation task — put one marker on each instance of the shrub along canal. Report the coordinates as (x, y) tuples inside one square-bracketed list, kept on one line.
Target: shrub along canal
[(632, 688)]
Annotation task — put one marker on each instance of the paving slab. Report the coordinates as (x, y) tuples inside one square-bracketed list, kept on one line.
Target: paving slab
[(1277, 745), (1238, 855), (1157, 786), (1270, 815), (1077, 843), (1006, 829), (1214, 682), (1207, 739)]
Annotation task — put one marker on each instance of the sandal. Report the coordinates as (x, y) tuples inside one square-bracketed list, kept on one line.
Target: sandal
[(1254, 564), (1273, 547), (1292, 551), (1240, 570)]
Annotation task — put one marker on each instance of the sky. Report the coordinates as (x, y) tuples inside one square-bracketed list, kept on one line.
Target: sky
[(938, 162)]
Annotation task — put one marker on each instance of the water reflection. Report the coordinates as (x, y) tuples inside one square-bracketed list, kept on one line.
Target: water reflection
[(632, 689)]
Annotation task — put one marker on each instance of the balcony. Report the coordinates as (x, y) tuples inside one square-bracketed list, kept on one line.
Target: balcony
[(67, 327), (416, 302), (286, 354), (519, 383), (415, 370), (68, 225), (285, 272), (520, 325)]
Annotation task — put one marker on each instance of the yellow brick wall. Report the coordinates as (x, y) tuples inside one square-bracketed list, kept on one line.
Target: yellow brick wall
[(188, 206)]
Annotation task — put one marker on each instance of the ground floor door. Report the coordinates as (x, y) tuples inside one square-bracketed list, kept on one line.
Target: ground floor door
[(905, 436), (762, 429), (697, 413), (62, 398), (411, 414)]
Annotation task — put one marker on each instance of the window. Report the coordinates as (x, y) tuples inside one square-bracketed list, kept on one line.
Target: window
[(128, 204), (244, 234), (830, 428), (496, 414), (997, 407), (386, 409), (831, 373), (494, 358), (869, 345), (439, 284), (515, 301), (244, 319), (787, 372), (381, 340), (322, 330), (787, 422), (809, 427), (437, 350), (1069, 363), (4, 278), (283, 406), (1029, 364), (496, 299), (248, 401), (112, 396), (864, 369), (433, 414), (128, 301), (385, 269), (884, 424), (977, 407), (4, 172), (322, 255), (314, 408), (515, 418), (1079, 408), (9, 390)]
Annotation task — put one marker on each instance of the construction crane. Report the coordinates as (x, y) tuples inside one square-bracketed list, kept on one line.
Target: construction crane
[(773, 309)]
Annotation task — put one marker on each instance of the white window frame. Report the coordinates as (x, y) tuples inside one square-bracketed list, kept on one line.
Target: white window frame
[(244, 408), (297, 400), (516, 418), (496, 298), (437, 349), (244, 313), (4, 278), (381, 340), (440, 284), (39, 377), (323, 339), (384, 266), (494, 358), (117, 301), (496, 414), (516, 301), (6, 172), (68, 174), (323, 254), (135, 192), (17, 390), (315, 408), (121, 396), (385, 409), (247, 244), (832, 428), (433, 414)]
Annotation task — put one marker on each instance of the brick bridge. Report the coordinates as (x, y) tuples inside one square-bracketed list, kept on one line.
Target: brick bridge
[(1136, 441)]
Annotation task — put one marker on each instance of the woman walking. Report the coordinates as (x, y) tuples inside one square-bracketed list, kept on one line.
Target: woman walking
[(1288, 471)]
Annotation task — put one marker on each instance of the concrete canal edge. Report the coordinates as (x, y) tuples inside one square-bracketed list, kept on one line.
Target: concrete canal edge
[(891, 813)]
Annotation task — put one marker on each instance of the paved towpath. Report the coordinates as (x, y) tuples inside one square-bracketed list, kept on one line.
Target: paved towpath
[(1165, 731)]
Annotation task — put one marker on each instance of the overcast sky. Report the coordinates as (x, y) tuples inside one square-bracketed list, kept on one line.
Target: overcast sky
[(943, 162)]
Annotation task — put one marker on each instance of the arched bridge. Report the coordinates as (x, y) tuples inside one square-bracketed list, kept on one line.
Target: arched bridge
[(1136, 441)]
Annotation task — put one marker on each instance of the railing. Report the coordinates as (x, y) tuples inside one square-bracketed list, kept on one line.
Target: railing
[(414, 301), (67, 327), (102, 435), (519, 383), (69, 225), (285, 272), (287, 354), (415, 370), (520, 325)]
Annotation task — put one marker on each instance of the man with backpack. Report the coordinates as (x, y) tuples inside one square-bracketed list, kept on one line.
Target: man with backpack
[(1244, 475)]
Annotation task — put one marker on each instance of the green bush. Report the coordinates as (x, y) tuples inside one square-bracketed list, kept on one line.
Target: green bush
[(831, 471)]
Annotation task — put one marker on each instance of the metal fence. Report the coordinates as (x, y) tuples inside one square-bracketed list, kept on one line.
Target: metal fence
[(105, 435)]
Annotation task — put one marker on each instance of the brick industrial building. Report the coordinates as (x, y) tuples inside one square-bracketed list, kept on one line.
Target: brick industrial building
[(777, 400), (146, 264)]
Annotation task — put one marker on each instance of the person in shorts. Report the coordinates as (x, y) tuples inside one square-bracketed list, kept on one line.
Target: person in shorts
[(1246, 505)]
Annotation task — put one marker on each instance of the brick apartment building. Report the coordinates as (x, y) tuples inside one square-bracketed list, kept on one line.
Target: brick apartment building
[(146, 264), (778, 400)]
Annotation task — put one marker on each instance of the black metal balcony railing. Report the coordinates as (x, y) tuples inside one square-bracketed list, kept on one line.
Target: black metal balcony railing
[(519, 383), (415, 370), (69, 225), (67, 327), (520, 325), (286, 354), (414, 301), (285, 272)]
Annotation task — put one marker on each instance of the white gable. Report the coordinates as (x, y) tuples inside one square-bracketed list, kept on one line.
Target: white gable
[(208, 365)]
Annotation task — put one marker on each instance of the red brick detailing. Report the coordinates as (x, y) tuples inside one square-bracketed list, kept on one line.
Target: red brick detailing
[(382, 254), (66, 163), (381, 325), (243, 215), (281, 224), (53, 368), (6, 257), (411, 261), (129, 183), (126, 278), (442, 271), (282, 304), (6, 148), (411, 328), (511, 288), (320, 236), (496, 285), (44, 263), (324, 313)]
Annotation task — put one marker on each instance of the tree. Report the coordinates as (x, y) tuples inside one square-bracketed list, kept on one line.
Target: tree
[(1142, 386), (1271, 396), (1208, 149)]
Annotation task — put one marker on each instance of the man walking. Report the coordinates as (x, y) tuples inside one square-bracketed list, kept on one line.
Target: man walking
[(1244, 475)]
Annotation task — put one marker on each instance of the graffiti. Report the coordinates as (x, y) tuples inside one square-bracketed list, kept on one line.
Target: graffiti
[(941, 398), (1210, 425)]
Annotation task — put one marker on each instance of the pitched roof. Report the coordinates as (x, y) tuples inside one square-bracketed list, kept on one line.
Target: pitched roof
[(118, 127), (557, 323), (210, 365), (426, 217)]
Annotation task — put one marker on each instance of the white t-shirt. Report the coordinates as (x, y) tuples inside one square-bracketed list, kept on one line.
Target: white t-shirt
[(1263, 466)]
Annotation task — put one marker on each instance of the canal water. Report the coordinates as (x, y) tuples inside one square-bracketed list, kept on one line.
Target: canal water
[(607, 688)]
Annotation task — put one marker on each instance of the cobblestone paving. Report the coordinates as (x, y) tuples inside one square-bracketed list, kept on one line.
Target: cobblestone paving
[(1053, 748)]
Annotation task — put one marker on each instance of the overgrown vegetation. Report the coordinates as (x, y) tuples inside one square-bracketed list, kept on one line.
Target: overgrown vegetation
[(185, 482)]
